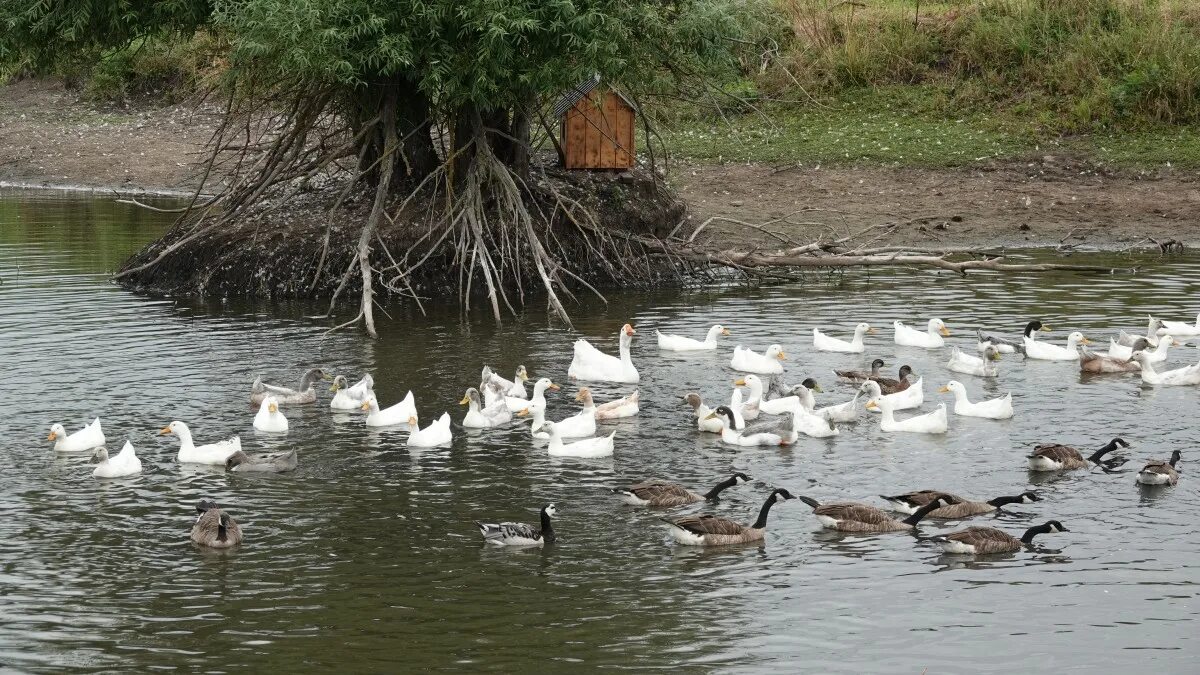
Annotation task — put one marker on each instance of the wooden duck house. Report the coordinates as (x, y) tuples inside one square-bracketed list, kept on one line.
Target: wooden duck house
[(597, 128)]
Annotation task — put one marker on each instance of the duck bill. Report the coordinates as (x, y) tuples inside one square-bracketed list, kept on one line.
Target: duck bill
[(740, 382), (522, 412), (995, 356), (326, 376), (582, 395), (711, 416), (333, 388), (1044, 329), (872, 331), (53, 435), (725, 331), (366, 405), (817, 388), (782, 356), (871, 405), (465, 400), (944, 390), (164, 431), (272, 408), (554, 387), (944, 331), (629, 329), (1086, 341)]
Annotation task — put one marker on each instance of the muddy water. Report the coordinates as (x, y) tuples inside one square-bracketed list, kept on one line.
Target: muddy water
[(366, 559)]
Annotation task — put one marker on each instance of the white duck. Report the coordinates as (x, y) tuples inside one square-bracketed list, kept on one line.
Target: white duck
[(752, 400), (437, 433), (793, 396), (126, 463), (579, 425), (930, 339), (679, 343), (478, 417), (600, 446), (537, 400), (625, 406), (733, 437), (929, 423), (969, 364), (88, 437), (842, 412), (190, 453), (994, 409), (701, 412), (269, 418), (592, 364), (750, 361), (815, 425), (1129, 340), (346, 397), (826, 343), (1048, 352), (1156, 355), (392, 415), (1179, 328), (514, 387), (1187, 375), (913, 397)]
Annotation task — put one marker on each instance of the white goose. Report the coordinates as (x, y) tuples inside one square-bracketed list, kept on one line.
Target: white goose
[(995, 409), (929, 423), (679, 343), (826, 343), (88, 437), (392, 415), (600, 446), (537, 400), (750, 361), (478, 417), (437, 433), (752, 400), (1156, 355), (1048, 352), (625, 406), (190, 453), (269, 418), (929, 339), (1187, 375), (1180, 328), (591, 364), (969, 364), (126, 463)]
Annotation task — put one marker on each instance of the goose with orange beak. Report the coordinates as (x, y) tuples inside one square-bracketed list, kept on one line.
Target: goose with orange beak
[(594, 365)]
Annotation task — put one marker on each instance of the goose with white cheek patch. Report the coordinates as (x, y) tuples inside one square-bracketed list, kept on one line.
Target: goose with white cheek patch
[(591, 364), (931, 338), (710, 530), (90, 436), (855, 517), (826, 343), (750, 361), (957, 507), (1007, 346), (520, 534), (992, 409), (1058, 457), (126, 463), (215, 528), (984, 540), (1160, 472), (269, 418), (679, 343), (657, 492)]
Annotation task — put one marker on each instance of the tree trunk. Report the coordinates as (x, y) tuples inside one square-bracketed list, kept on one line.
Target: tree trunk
[(417, 158), (522, 120)]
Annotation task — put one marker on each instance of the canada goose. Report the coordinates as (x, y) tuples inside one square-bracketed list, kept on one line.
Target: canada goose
[(1055, 457), (214, 527), (854, 517), (277, 462), (892, 386), (861, 375), (958, 507), (1159, 472), (710, 530), (979, 540), (661, 493), (520, 534), (1007, 346), (305, 393)]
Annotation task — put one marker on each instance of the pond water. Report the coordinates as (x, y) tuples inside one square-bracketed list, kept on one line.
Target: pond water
[(366, 558)]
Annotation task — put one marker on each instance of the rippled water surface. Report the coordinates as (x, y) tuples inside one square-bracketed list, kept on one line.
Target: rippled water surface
[(366, 559)]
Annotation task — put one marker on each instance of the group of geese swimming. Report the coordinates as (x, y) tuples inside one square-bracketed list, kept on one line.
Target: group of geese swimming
[(497, 400)]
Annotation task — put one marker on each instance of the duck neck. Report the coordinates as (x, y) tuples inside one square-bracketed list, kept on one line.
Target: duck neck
[(714, 493), (473, 404), (626, 340), (756, 392), (807, 400), (310, 378), (185, 439), (1004, 501), (1032, 532), (857, 340), (761, 523), (960, 395), (1030, 328), (547, 528), (728, 435), (711, 338), (915, 518)]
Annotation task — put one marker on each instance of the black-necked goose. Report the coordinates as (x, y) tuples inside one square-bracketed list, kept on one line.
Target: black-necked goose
[(980, 540), (710, 530), (520, 534)]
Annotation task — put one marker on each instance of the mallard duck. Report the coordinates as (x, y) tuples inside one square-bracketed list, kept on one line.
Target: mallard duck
[(929, 423), (600, 446), (862, 375), (537, 400), (931, 338), (88, 437), (514, 388), (214, 527), (580, 425), (750, 361), (701, 412), (656, 492), (1047, 352), (190, 453), (894, 386), (956, 507), (1007, 346), (710, 530), (437, 433), (126, 463), (1157, 354), (1057, 457), (826, 343), (993, 409), (269, 418), (399, 413), (913, 397), (478, 417), (855, 517), (591, 364), (305, 393), (275, 462), (1091, 362), (984, 540), (520, 534), (625, 406), (1188, 375), (1179, 328), (1130, 340), (346, 397), (1160, 472), (968, 364), (679, 343), (752, 400), (731, 434)]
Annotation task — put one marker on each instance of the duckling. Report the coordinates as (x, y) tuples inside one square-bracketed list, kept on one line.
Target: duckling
[(1057, 457), (957, 507), (661, 493), (894, 386), (1007, 346), (1159, 472), (710, 530), (215, 528), (520, 534), (275, 462), (305, 393), (855, 517), (983, 540), (862, 375)]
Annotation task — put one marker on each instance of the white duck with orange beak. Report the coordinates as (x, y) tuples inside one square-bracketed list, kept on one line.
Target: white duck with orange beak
[(433, 435), (91, 436), (190, 453), (269, 418), (594, 365)]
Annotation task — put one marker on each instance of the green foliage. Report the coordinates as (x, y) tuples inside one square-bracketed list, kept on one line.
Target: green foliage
[(163, 70)]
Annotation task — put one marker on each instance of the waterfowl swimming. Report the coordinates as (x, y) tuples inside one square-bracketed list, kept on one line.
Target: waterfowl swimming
[(983, 540), (931, 338), (679, 343), (190, 453), (399, 413), (1160, 472), (994, 409), (588, 448), (478, 417), (826, 343), (1092, 362), (930, 423), (801, 394), (88, 437), (750, 361), (657, 492), (1129, 340), (1156, 353), (731, 435), (701, 412), (625, 406), (752, 400), (590, 363), (913, 397), (514, 388), (305, 393), (1057, 457), (890, 385), (1047, 352), (969, 364), (269, 418), (956, 507), (274, 462), (520, 534), (710, 530), (1179, 328), (214, 527), (537, 400), (1188, 375), (862, 375), (842, 412), (126, 463), (786, 428), (855, 517), (346, 397), (1007, 346), (579, 425), (437, 433)]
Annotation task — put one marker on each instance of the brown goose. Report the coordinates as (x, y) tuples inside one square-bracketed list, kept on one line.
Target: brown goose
[(1160, 472), (1055, 457), (854, 517), (214, 527), (861, 375), (710, 530), (656, 492), (978, 540), (958, 507), (891, 386)]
